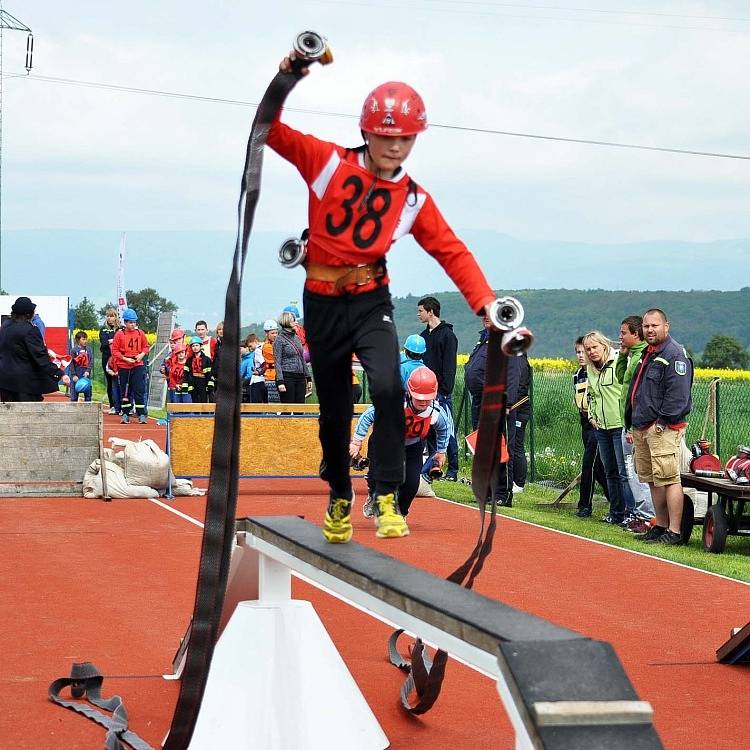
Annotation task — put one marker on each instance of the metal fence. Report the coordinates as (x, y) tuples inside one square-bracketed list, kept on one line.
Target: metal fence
[(553, 435)]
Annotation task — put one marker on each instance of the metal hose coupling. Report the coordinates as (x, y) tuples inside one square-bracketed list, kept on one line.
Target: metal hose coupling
[(312, 47), (517, 341), (506, 313), (293, 252)]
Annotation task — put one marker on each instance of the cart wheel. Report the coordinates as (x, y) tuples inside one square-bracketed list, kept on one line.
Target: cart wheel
[(688, 519), (715, 527)]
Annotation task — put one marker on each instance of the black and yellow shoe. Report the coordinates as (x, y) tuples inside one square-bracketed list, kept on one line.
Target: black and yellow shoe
[(388, 519), (337, 525)]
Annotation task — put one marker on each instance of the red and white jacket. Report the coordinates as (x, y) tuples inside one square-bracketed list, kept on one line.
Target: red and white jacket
[(354, 217)]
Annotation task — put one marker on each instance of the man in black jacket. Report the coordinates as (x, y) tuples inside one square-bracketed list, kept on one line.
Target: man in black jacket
[(440, 357), (26, 372)]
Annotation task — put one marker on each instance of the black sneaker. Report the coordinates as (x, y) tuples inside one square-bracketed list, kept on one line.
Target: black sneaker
[(612, 520), (451, 477), (652, 535), (670, 537), (583, 512)]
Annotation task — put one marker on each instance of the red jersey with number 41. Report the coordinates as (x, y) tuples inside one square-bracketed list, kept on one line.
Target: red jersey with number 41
[(129, 344), (354, 217)]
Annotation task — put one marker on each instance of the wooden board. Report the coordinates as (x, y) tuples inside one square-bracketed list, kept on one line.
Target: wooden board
[(270, 444), (45, 448)]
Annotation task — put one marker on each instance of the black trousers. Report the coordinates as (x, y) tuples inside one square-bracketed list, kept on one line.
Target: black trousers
[(520, 465), (258, 393), (110, 379), (295, 384), (407, 490), (592, 468), (504, 490), (336, 328)]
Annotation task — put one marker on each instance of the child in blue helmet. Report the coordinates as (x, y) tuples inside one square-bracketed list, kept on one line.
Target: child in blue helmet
[(81, 368), (414, 349), (129, 350)]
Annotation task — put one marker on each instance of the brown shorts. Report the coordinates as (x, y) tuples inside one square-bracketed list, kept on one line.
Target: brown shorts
[(657, 455)]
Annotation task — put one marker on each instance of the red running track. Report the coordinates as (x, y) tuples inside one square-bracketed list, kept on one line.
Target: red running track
[(113, 583)]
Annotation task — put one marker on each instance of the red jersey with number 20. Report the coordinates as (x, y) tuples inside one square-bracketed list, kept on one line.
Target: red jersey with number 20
[(354, 217)]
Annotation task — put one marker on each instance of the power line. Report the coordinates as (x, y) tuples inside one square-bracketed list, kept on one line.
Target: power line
[(593, 10), (535, 17), (323, 113)]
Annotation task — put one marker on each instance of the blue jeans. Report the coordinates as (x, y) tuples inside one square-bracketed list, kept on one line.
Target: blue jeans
[(610, 451), (452, 453)]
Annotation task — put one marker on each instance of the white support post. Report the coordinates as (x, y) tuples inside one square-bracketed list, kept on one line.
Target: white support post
[(274, 580)]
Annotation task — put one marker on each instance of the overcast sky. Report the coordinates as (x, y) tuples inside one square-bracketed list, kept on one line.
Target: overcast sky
[(653, 73)]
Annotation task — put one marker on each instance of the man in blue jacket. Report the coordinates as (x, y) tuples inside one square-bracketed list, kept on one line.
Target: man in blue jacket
[(659, 401)]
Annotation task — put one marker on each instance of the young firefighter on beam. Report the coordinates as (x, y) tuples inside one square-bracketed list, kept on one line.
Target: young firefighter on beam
[(360, 202)]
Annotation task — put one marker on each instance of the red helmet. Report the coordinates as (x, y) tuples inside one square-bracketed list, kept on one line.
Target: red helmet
[(393, 108), (422, 384)]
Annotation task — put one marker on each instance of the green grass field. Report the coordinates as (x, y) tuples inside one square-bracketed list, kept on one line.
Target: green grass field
[(734, 562)]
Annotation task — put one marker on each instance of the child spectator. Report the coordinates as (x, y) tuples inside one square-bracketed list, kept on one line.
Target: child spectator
[(199, 372), (81, 366), (269, 361), (215, 359), (208, 343), (247, 368), (106, 334), (129, 349), (411, 359), (178, 376)]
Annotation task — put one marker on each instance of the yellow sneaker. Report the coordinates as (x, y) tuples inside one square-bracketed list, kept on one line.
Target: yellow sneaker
[(337, 526), (388, 519)]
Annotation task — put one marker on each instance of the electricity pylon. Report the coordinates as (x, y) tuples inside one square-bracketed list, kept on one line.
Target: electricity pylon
[(7, 21)]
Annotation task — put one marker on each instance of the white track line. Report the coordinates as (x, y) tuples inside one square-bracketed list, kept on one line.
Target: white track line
[(528, 523), (176, 512), (603, 544)]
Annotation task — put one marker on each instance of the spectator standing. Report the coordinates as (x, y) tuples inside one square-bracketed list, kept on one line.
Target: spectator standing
[(26, 372), (177, 371), (271, 327), (292, 374), (522, 414), (604, 414), (658, 406), (129, 350), (247, 367), (208, 343), (199, 374), (411, 359), (106, 334), (592, 469), (632, 345), (440, 357), (81, 368), (216, 359)]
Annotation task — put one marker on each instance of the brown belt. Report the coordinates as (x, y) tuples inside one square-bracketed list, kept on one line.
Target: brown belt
[(343, 276)]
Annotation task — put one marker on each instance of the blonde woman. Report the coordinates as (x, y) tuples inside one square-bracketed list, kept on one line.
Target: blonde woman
[(106, 334), (292, 373), (604, 414)]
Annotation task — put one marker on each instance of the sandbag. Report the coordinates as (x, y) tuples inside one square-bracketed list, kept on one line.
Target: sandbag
[(146, 464), (425, 488), (184, 488), (117, 486)]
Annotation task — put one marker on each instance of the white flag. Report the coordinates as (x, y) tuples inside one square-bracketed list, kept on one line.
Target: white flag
[(122, 302)]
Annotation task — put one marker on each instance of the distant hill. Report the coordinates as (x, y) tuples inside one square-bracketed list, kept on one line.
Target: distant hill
[(191, 268), (558, 316)]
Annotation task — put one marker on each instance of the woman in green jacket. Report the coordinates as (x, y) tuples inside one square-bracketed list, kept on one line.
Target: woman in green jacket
[(604, 413)]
